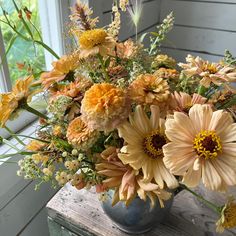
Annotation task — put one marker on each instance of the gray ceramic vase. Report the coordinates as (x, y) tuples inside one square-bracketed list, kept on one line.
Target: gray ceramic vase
[(138, 217)]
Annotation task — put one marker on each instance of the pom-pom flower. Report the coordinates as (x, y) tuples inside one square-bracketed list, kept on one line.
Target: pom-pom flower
[(104, 107), (149, 89), (80, 136), (202, 146)]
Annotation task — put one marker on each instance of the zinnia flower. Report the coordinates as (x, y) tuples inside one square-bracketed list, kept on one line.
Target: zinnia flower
[(104, 107), (63, 69), (202, 146), (209, 72), (166, 73), (126, 181), (35, 145), (11, 102), (149, 89), (80, 136), (183, 101), (127, 49), (144, 139), (163, 61), (119, 176), (95, 41), (228, 216)]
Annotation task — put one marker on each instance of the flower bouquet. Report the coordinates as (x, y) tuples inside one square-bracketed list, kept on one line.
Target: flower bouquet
[(122, 116)]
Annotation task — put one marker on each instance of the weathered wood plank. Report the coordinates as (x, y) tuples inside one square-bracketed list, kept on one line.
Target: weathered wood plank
[(21, 210), (201, 14), (201, 40), (81, 213), (180, 55)]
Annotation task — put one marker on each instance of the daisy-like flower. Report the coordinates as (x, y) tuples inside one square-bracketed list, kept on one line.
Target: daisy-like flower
[(80, 136), (119, 176), (144, 139), (104, 107), (11, 102), (166, 73), (63, 69), (209, 72), (149, 89), (183, 101), (126, 181), (95, 41), (163, 61), (228, 216), (202, 146)]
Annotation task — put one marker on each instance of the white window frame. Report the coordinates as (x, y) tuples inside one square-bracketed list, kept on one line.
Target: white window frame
[(53, 15)]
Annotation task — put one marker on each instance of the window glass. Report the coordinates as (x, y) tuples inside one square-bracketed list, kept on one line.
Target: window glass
[(22, 56)]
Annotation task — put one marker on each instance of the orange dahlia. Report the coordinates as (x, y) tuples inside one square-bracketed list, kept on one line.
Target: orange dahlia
[(104, 107)]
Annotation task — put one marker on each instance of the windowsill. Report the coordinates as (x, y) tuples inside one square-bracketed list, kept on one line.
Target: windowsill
[(29, 130)]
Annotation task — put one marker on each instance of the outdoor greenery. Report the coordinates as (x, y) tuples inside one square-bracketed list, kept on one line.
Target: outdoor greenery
[(22, 56)]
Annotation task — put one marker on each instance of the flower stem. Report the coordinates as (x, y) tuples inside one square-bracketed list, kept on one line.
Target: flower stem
[(202, 90), (32, 110), (14, 135), (202, 199), (107, 78)]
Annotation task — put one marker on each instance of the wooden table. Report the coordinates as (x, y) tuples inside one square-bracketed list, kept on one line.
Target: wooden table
[(72, 212)]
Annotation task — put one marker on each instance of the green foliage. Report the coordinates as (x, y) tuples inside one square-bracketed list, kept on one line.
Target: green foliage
[(19, 50), (229, 59)]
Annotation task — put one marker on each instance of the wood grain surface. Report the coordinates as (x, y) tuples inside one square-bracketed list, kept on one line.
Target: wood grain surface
[(81, 213)]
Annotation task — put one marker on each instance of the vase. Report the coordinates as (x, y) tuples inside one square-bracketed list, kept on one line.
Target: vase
[(139, 217)]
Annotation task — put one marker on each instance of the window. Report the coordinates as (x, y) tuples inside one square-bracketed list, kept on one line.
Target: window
[(18, 55)]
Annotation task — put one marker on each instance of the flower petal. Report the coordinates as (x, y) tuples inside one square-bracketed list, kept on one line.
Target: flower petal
[(192, 177)]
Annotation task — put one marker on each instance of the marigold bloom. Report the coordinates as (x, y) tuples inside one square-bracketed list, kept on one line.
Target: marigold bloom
[(149, 89), (144, 139), (228, 216), (104, 107), (202, 146), (183, 101), (95, 41), (79, 135), (63, 69), (12, 101), (209, 72)]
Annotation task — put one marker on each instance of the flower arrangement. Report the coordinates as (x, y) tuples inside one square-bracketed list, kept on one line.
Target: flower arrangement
[(124, 117)]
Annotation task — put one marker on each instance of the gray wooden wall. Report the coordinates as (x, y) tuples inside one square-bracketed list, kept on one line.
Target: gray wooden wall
[(202, 27)]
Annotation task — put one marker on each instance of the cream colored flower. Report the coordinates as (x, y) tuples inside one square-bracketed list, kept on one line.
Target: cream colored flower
[(183, 101), (144, 139), (95, 41), (209, 72), (80, 136), (149, 89), (202, 146), (105, 106), (228, 216)]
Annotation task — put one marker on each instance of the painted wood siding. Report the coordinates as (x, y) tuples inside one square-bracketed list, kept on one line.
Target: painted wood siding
[(204, 28), (151, 17)]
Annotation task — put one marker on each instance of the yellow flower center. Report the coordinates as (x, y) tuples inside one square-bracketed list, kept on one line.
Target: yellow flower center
[(209, 67), (229, 216), (92, 38), (153, 143), (207, 144)]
